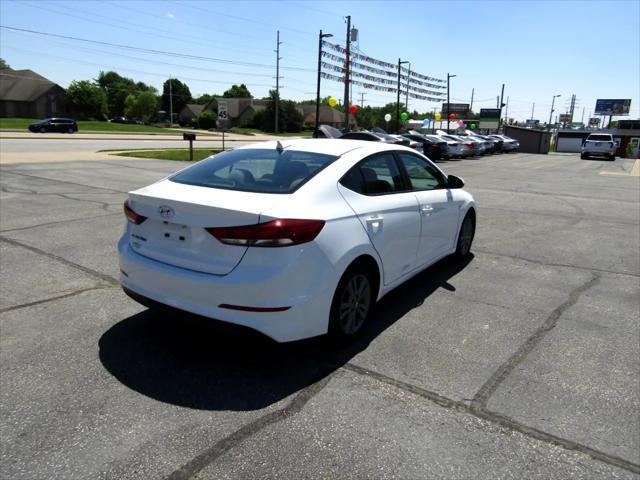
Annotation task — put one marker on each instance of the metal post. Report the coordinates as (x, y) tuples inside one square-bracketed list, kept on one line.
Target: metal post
[(533, 109), (223, 140), (400, 62), (277, 100), (501, 104), (471, 106), (347, 67), (170, 105), (448, 108), (406, 97), (191, 150)]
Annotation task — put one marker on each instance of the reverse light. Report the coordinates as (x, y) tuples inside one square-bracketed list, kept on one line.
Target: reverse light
[(276, 233), (132, 216)]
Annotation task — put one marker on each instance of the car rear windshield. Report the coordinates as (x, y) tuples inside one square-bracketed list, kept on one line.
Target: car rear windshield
[(600, 138), (255, 170)]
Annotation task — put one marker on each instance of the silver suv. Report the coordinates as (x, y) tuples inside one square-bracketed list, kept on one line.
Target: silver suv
[(599, 144)]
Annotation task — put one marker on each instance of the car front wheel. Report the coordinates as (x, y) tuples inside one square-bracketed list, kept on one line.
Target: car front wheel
[(351, 304)]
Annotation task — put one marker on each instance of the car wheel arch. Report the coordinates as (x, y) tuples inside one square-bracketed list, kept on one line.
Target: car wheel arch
[(368, 263)]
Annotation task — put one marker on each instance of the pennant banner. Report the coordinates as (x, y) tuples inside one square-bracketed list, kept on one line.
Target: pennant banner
[(378, 88)]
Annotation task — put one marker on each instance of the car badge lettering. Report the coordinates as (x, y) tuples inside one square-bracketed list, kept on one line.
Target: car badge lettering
[(166, 211)]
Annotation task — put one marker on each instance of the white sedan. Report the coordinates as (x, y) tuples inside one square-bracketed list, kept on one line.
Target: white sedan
[(293, 239)]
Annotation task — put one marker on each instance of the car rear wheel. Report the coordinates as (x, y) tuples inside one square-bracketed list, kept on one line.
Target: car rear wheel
[(43, 130), (584, 156), (465, 237), (351, 304)]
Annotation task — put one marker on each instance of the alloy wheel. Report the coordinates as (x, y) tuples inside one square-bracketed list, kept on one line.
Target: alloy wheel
[(354, 304)]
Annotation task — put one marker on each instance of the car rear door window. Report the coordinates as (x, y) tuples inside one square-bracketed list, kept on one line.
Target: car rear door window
[(422, 176), (376, 175)]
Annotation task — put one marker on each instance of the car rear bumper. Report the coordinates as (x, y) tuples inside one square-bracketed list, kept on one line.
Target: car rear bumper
[(307, 296)]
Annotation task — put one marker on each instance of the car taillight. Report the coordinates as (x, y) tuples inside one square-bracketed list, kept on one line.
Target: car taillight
[(470, 145), (276, 233), (132, 216)]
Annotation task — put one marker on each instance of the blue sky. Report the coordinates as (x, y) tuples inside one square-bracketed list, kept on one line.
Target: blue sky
[(536, 48)]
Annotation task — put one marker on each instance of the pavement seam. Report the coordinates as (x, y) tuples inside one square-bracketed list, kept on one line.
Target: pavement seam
[(550, 264), (495, 418), (72, 220), (231, 441), (602, 219), (481, 398), (52, 299), (13, 172), (107, 278)]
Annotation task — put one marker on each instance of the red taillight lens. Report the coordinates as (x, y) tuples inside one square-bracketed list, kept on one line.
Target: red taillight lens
[(132, 216), (276, 233)]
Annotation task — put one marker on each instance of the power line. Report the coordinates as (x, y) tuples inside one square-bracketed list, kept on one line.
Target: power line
[(154, 51)]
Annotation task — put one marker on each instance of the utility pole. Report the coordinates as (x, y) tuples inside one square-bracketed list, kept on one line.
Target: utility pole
[(506, 113), (347, 68), (471, 105), (533, 109), (362, 100), (449, 76), (170, 105), (400, 62), (572, 108), (277, 102), (553, 101), (582, 118), (320, 37), (406, 97), (500, 107)]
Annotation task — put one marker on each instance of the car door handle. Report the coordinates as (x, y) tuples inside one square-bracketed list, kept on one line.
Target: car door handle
[(426, 210)]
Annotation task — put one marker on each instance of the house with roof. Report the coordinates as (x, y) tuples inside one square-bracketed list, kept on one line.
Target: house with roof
[(328, 116), (239, 111), (24, 93), (189, 113)]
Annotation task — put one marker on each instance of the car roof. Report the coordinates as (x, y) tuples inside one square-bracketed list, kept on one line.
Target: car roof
[(329, 146)]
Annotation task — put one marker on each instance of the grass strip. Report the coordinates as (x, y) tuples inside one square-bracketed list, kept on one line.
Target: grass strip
[(179, 154)]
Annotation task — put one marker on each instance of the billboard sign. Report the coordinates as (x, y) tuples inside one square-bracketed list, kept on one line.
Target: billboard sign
[(533, 123), (615, 106), (457, 108), (490, 117), (564, 118), (594, 122)]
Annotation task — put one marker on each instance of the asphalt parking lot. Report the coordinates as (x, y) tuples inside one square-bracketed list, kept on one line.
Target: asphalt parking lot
[(524, 362)]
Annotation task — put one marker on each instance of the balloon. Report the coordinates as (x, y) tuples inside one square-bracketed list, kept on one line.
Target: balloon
[(438, 116), (452, 116), (387, 117), (460, 123), (404, 116), (353, 109), (473, 126), (425, 122), (332, 101)]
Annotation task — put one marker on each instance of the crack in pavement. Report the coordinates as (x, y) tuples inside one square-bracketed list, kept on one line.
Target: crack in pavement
[(231, 441), (65, 181), (481, 398), (496, 418), (52, 299), (47, 224), (551, 264), (107, 278)]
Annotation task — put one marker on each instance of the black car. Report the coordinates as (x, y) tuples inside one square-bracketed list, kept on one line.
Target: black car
[(62, 125), (375, 137), (431, 149)]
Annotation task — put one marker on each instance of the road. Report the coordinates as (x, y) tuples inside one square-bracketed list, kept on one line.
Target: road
[(521, 363)]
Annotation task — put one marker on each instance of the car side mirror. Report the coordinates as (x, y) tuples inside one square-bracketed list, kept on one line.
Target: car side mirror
[(454, 182)]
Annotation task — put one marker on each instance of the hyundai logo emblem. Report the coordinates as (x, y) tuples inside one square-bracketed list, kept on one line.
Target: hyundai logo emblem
[(166, 211)]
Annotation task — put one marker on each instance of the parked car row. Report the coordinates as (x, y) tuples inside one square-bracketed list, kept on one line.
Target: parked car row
[(437, 146)]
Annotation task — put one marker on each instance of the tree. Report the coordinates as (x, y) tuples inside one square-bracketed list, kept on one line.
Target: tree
[(3, 64), (87, 98), (289, 118), (142, 105), (207, 120), (118, 88), (204, 99), (238, 91), (180, 95)]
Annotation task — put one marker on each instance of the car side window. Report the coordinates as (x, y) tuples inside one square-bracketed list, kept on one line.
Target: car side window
[(421, 175), (376, 175)]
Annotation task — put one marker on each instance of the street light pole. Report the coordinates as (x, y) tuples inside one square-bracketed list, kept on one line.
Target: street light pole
[(448, 108), (347, 67), (400, 62), (553, 101), (321, 36)]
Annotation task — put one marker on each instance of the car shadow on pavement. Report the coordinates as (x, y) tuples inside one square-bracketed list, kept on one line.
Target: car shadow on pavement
[(192, 362)]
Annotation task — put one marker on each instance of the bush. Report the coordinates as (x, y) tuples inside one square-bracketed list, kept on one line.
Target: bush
[(207, 120)]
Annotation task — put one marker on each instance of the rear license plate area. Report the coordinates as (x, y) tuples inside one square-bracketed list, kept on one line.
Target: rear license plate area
[(174, 232)]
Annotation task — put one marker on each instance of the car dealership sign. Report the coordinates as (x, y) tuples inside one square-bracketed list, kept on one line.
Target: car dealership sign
[(613, 106)]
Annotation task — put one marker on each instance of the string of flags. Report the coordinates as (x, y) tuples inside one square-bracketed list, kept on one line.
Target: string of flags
[(410, 78), (379, 88)]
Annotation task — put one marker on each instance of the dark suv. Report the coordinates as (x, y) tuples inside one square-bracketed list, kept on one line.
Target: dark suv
[(63, 125)]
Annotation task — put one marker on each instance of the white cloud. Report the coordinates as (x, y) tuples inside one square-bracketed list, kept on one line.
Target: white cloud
[(170, 15)]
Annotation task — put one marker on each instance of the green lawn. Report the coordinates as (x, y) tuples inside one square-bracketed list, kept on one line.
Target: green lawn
[(180, 154)]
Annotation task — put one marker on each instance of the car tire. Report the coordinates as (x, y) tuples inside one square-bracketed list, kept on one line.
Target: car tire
[(352, 303), (612, 158), (583, 156), (71, 130), (465, 237), (43, 130)]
